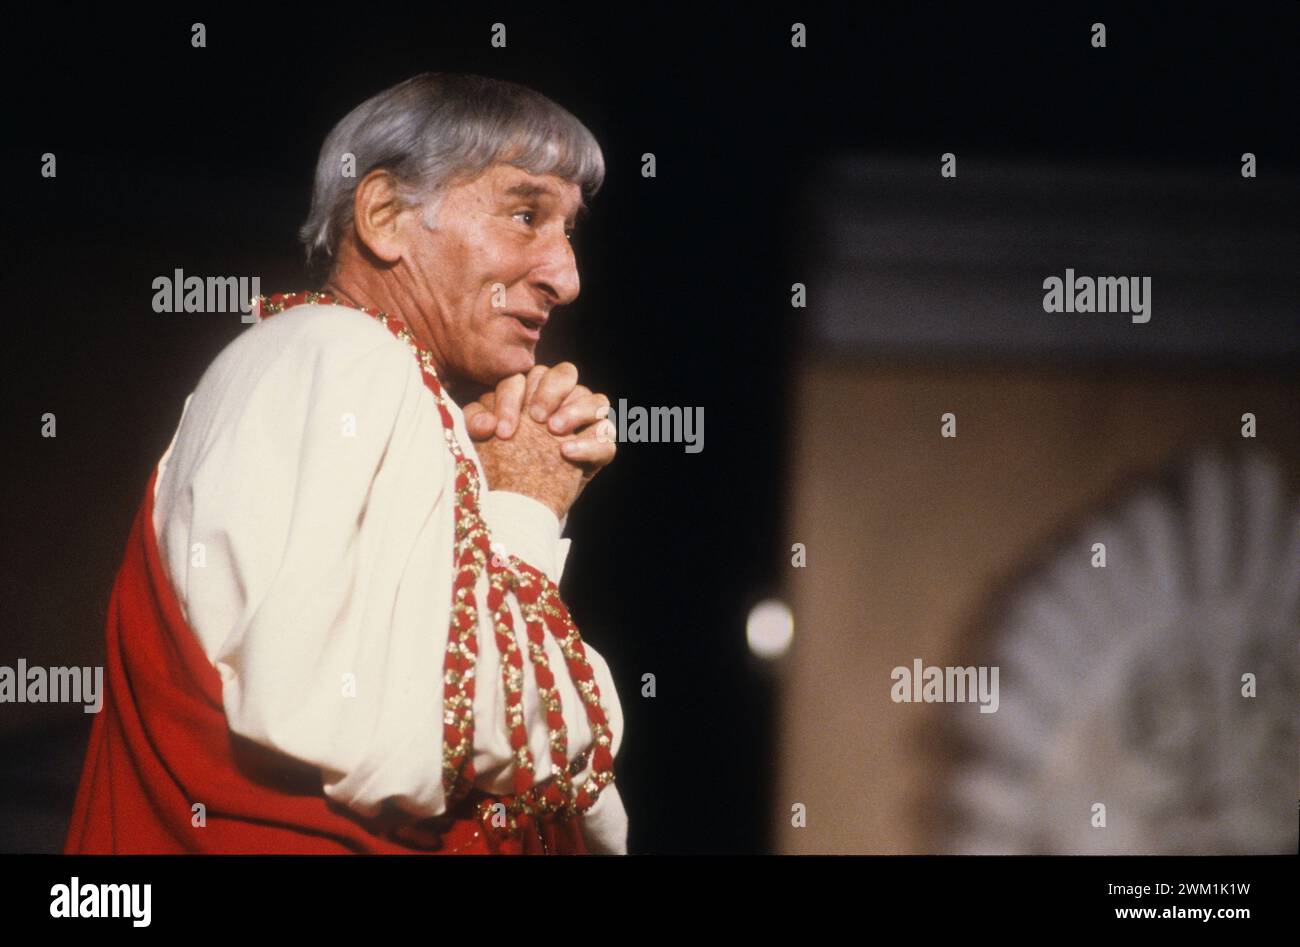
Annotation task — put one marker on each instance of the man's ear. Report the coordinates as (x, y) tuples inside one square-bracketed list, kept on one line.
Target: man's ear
[(376, 216)]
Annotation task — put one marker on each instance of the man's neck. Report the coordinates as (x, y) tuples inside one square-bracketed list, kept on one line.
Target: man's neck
[(389, 297)]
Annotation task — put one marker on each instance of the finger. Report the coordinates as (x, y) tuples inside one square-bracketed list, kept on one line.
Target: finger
[(577, 394), (552, 390), (589, 453), (510, 399), (595, 447), (479, 421), (535, 376), (579, 412)]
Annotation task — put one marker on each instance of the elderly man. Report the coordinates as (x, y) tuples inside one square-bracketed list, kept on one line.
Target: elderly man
[(336, 627)]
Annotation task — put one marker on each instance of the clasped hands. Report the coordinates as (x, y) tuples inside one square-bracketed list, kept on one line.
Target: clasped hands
[(542, 435)]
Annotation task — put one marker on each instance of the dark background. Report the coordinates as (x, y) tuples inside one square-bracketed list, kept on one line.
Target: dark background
[(170, 156)]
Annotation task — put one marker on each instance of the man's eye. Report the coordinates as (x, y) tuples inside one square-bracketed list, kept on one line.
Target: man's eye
[(526, 213)]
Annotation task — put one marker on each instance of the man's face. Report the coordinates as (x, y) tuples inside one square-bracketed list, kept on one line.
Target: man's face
[(496, 265)]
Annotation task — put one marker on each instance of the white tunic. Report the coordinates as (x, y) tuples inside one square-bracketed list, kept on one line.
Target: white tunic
[(304, 513)]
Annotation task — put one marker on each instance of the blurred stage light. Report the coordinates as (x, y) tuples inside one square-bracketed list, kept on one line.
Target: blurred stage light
[(770, 629)]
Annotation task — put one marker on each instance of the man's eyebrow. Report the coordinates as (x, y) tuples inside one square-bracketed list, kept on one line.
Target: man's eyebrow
[(529, 191), (525, 189)]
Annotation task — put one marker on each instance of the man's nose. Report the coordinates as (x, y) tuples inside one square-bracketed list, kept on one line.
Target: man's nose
[(557, 272)]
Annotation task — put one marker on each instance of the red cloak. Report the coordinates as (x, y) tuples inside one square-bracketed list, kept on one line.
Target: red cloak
[(160, 745)]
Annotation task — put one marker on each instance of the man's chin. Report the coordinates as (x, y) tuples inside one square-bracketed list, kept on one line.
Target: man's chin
[(518, 361)]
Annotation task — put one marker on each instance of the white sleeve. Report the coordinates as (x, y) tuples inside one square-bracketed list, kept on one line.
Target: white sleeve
[(305, 518), (527, 528)]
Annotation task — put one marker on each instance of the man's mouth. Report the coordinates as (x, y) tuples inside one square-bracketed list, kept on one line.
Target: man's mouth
[(531, 325)]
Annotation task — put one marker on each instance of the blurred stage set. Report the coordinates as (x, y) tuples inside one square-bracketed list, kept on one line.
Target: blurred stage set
[(1119, 685)]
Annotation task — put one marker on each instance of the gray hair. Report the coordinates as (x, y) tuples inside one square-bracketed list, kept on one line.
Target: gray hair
[(435, 129)]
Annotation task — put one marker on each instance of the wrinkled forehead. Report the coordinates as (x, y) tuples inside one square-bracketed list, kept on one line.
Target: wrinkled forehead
[(507, 182)]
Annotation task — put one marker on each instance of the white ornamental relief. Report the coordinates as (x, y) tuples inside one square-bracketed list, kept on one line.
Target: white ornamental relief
[(1128, 686)]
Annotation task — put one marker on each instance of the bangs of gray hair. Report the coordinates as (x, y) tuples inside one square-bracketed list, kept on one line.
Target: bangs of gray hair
[(434, 130)]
